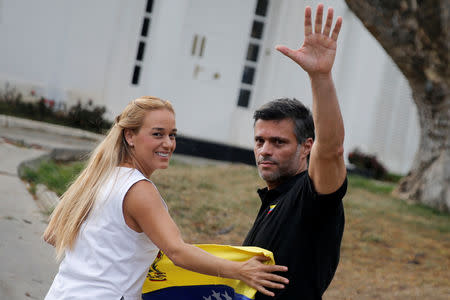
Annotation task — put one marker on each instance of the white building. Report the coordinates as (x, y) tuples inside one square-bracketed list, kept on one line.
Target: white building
[(213, 59)]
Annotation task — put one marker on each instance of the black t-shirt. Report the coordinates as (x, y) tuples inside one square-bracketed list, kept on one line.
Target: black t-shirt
[(304, 231)]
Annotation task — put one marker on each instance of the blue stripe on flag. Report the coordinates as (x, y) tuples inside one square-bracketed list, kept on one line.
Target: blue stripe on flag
[(195, 292)]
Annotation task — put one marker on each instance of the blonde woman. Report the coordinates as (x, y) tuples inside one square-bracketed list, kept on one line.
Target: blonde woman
[(112, 221)]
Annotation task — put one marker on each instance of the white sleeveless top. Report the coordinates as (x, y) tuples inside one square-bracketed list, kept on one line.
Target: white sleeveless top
[(109, 259)]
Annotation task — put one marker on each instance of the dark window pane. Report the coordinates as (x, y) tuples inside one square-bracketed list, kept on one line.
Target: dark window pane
[(257, 29), (248, 74), (140, 52), (149, 6), (261, 7), (244, 98), (252, 52), (145, 25), (136, 72)]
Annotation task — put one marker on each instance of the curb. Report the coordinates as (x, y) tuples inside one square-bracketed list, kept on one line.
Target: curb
[(46, 199), (10, 121)]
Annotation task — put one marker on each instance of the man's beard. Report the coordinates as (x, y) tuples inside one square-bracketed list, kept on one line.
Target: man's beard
[(288, 169)]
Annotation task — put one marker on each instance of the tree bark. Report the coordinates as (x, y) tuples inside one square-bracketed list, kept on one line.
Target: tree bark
[(416, 34)]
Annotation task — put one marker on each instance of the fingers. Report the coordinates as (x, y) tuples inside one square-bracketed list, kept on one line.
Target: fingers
[(271, 268), (308, 24), (318, 21), (271, 285), (270, 281), (262, 290), (286, 51), (262, 258), (260, 276), (336, 29), (275, 268), (267, 272), (276, 279), (329, 22)]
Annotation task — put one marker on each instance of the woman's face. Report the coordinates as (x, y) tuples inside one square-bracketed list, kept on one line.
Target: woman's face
[(154, 143)]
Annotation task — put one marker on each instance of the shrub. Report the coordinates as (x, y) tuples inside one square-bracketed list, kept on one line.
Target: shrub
[(368, 164), (86, 117)]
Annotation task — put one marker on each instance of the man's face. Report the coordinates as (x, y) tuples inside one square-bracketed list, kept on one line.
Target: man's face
[(277, 153)]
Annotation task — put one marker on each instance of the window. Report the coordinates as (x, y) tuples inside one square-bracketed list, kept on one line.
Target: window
[(142, 41), (140, 53), (252, 52), (257, 29), (244, 98), (145, 25), (251, 58), (136, 73), (149, 7), (261, 7), (248, 74)]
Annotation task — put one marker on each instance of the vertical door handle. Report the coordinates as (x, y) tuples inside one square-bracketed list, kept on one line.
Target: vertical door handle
[(194, 45)]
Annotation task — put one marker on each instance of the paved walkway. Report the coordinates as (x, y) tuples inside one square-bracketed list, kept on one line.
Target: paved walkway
[(27, 263)]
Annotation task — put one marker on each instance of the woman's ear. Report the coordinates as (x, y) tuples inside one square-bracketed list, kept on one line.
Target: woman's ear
[(129, 136)]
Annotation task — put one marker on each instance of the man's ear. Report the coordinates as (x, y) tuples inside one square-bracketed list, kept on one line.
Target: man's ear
[(129, 134), (306, 147)]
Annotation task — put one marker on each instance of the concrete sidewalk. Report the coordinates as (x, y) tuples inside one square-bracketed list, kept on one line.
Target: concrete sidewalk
[(27, 262)]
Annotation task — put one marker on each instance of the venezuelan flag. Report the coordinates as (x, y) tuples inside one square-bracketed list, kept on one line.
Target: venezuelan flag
[(271, 208), (167, 281)]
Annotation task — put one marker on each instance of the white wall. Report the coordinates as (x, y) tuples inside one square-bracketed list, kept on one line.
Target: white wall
[(69, 50), (62, 46), (25, 50)]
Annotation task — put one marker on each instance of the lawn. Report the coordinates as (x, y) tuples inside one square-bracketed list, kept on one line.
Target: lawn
[(390, 249)]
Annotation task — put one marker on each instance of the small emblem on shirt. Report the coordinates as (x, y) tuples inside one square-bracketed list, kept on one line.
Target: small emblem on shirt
[(271, 208)]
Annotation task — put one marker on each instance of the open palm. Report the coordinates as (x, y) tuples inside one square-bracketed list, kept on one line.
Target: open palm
[(318, 51)]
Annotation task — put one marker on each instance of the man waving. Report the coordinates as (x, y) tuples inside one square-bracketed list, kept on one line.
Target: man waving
[(300, 157)]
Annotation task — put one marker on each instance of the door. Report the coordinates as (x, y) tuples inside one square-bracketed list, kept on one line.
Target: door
[(215, 35)]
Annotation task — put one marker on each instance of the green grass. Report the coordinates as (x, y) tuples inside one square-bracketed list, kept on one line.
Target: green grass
[(374, 186), (55, 176)]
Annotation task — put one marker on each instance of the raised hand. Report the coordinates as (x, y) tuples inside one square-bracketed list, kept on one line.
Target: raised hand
[(316, 55)]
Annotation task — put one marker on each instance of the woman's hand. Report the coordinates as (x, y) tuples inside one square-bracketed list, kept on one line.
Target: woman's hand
[(259, 276)]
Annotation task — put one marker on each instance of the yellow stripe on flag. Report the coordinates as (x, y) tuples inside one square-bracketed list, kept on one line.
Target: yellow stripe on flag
[(163, 274)]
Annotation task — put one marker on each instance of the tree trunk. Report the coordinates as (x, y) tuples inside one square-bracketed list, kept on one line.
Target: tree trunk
[(416, 34)]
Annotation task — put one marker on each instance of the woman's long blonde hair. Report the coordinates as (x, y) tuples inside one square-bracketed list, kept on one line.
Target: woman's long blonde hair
[(77, 201)]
